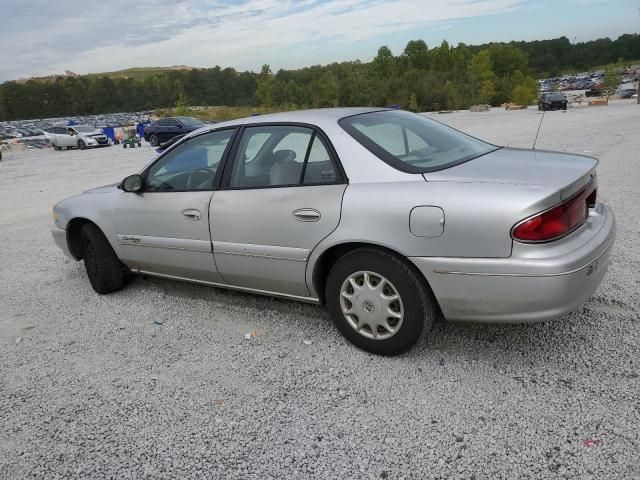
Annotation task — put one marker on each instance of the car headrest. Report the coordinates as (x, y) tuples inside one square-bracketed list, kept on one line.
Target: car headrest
[(285, 170)]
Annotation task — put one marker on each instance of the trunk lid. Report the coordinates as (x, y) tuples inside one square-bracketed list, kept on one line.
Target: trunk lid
[(556, 175)]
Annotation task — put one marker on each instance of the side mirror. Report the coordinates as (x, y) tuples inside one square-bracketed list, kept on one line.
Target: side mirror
[(133, 184), (179, 125)]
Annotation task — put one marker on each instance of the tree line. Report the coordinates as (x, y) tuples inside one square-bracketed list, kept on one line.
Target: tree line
[(418, 78)]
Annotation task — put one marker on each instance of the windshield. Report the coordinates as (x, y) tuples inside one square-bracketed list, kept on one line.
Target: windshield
[(413, 143), (190, 121), (556, 96), (83, 129)]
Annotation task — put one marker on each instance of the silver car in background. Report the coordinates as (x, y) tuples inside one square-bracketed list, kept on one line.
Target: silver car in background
[(387, 217), (76, 136)]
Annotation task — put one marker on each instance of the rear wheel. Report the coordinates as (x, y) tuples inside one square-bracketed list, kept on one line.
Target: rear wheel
[(378, 302), (105, 271), (153, 140), (81, 145)]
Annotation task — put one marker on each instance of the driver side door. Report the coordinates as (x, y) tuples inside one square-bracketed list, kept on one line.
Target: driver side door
[(165, 228)]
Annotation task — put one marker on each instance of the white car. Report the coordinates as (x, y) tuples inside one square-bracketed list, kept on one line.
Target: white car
[(76, 136)]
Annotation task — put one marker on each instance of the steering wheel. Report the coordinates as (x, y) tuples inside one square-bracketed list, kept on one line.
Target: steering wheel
[(193, 177)]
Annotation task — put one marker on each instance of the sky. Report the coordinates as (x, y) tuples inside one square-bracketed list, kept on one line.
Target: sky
[(43, 37)]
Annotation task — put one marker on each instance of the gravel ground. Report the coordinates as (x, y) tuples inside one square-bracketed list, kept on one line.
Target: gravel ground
[(158, 380)]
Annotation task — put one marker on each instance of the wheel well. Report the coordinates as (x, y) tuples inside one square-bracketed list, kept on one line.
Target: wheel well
[(330, 256), (74, 237)]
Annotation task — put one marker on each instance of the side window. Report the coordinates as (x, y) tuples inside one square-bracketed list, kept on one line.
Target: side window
[(164, 122), (319, 168), (254, 144), (273, 156), (192, 165)]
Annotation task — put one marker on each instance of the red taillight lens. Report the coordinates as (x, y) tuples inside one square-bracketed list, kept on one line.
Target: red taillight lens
[(558, 221)]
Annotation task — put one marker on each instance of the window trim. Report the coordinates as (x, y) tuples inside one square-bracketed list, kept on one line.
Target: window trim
[(223, 161), (341, 177), (391, 160)]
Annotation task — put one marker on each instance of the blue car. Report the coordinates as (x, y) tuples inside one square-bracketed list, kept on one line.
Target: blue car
[(165, 129)]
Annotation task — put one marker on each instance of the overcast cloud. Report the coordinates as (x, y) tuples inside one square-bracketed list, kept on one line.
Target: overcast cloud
[(39, 37)]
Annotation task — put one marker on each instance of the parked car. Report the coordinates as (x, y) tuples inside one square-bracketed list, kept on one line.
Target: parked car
[(552, 101), (163, 146), (627, 90), (76, 136), (385, 216), (165, 129)]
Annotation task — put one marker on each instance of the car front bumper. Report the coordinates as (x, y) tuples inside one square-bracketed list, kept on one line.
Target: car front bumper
[(538, 282), (60, 237)]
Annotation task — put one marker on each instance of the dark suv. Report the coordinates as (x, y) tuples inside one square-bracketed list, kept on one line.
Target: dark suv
[(552, 101), (166, 128)]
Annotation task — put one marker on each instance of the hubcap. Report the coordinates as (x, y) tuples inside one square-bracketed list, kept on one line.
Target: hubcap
[(371, 305)]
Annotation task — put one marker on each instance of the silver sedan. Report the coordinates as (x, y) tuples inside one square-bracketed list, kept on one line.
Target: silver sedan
[(385, 216)]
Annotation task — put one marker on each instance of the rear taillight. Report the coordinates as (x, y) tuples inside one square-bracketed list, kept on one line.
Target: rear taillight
[(558, 221)]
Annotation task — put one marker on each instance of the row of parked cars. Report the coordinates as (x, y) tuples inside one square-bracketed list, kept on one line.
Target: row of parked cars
[(37, 127), (592, 82)]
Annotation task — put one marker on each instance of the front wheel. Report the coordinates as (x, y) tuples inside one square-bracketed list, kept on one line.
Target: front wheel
[(81, 145), (378, 301), (153, 140), (104, 269)]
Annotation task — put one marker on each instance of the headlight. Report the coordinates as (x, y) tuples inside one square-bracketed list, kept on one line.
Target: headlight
[(54, 215)]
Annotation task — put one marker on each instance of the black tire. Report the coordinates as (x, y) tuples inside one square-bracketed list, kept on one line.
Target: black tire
[(420, 308), (124, 145), (564, 107), (105, 271), (81, 145), (153, 140), (139, 144)]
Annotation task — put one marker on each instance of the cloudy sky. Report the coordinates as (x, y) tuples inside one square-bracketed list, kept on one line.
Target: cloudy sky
[(40, 37)]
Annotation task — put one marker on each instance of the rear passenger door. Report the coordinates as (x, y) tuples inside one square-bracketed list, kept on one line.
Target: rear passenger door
[(281, 194)]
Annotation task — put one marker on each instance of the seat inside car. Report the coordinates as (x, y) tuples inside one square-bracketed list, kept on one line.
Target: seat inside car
[(285, 170)]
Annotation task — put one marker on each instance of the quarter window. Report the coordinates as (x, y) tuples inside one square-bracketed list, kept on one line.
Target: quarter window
[(191, 165), (271, 156)]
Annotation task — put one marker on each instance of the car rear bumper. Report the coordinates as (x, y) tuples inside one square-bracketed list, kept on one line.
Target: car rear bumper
[(538, 282), (60, 237)]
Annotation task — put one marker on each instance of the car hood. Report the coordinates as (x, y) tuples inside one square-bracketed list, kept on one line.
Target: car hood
[(103, 188), (549, 171)]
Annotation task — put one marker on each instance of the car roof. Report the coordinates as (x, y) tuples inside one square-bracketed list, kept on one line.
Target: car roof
[(319, 116)]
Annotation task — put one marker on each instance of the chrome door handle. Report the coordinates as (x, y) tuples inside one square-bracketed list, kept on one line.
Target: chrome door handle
[(192, 214), (306, 215)]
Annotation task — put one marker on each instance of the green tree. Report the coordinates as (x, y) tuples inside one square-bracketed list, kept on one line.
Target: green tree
[(263, 86), (384, 64), (611, 81), (413, 102), (417, 53), (525, 90), (482, 77)]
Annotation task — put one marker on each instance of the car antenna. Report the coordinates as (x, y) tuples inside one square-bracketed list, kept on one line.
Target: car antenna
[(538, 132)]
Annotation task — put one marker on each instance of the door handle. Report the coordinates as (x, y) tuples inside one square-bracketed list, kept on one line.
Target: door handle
[(306, 215), (192, 214)]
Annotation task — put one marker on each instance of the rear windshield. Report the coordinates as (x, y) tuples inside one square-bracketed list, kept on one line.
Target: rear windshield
[(412, 143)]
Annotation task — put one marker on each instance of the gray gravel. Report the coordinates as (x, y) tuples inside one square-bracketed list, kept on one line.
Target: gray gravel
[(158, 380)]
